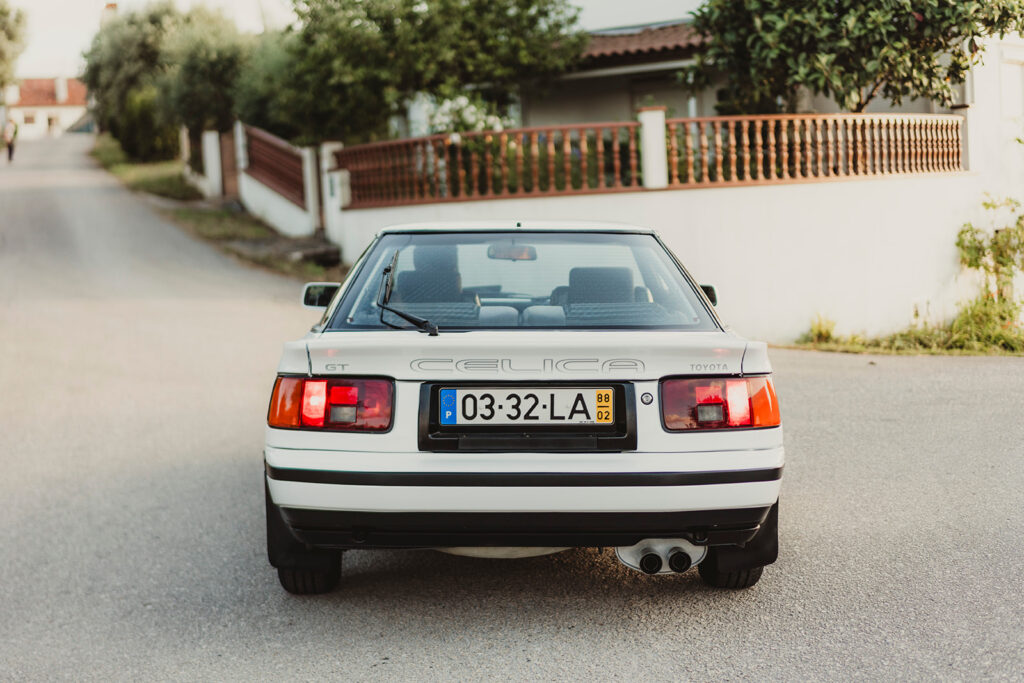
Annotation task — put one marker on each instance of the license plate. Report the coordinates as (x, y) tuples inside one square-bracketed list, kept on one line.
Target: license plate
[(526, 406)]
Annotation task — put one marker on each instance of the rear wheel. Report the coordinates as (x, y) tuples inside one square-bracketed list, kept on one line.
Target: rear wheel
[(741, 567), (302, 569), (743, 578), (309, 581)]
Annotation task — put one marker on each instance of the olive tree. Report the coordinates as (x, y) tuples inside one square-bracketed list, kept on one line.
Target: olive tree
[(850, 50), (123, 64), (203, 59), (263, 78), (12, 42), (356, 62)]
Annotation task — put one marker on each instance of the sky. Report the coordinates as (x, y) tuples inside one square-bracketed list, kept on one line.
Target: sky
[(60, 30)]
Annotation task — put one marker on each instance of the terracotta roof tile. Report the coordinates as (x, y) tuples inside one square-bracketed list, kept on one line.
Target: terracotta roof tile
[(42, 92), (668, 38), (78, 94)]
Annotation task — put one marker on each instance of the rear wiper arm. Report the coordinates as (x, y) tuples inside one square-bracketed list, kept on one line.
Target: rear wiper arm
[(387, 285)]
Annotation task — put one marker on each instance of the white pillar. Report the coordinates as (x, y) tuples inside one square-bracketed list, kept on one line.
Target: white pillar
[(183, 144), (653, 151), (210, 149), (311, 184), (241, 153), (330, 191)]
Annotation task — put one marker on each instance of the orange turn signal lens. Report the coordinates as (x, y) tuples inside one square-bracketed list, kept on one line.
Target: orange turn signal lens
[(285, 403)]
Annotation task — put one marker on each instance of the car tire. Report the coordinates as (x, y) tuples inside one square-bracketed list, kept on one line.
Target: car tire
[(309, 581), (301, 569), (743, 578)]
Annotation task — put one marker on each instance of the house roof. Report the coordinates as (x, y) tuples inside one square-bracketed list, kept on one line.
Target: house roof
[(659, 40), (42, 92)]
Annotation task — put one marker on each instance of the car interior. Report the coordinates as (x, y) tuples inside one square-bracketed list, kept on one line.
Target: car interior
[(592, 296)]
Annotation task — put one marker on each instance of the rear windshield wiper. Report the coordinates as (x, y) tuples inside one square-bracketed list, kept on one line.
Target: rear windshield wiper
[(387, 285)]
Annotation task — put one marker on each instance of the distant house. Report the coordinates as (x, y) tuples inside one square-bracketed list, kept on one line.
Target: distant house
[(629, 67), (622, 70), (46, 106)]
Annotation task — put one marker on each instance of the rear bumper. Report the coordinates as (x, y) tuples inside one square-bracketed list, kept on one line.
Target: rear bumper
[(605, 500), (347, 530)]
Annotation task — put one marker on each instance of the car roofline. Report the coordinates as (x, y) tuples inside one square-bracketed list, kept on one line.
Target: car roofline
[(515, 226)]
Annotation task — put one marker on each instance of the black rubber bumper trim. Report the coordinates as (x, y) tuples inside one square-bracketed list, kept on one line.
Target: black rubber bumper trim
[(524, 479), (345, 529)]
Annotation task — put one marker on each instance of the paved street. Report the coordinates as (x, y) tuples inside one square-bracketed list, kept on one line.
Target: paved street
[(135, 367)]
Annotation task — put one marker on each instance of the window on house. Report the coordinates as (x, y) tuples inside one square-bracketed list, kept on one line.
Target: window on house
[(30, 119)]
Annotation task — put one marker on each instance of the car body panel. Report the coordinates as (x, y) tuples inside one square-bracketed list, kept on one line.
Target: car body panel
[(731, 474)]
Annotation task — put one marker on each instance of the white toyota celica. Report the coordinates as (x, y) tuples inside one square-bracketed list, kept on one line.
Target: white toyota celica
[(515, 389)]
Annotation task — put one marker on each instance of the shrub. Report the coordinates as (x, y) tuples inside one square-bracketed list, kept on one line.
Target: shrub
[(204, 58), (142, 133), (260, 87), (821, 332)]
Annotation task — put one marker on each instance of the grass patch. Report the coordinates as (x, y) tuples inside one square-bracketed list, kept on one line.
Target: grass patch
[(163, 178), (248, 238), (986, 325), (220, 225)]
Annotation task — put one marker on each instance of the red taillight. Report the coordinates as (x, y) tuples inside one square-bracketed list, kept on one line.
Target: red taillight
[(719, 403), (314, 402), (339, 404)]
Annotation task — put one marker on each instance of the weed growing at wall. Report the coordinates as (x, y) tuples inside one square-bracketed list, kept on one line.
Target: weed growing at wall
[(988, 323), (822, 331)]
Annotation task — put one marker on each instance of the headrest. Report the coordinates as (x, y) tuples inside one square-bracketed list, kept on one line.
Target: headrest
[(600, 285), (428, 286), (435, 257)]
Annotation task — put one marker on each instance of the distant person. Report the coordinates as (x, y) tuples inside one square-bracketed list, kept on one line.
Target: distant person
[(10, 135)]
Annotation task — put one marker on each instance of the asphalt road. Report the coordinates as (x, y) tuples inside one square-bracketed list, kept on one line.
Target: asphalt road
[(135, 365)]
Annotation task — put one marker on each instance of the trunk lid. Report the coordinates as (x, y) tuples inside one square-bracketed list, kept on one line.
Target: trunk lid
[(517, 355)]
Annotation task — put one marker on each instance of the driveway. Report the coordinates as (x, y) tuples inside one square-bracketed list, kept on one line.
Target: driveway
[(135, 367)]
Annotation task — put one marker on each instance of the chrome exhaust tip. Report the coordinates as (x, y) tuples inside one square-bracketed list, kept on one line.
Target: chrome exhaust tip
[(679, 560), (650, 563)]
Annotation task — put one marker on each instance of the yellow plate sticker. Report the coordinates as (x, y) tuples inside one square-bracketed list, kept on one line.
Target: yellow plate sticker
[(604, 406)]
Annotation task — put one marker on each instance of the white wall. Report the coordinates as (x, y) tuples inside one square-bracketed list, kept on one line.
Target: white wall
[(279, 213), (211, 181), (273, 209), (40, 128), (865, 253), (862, 252)]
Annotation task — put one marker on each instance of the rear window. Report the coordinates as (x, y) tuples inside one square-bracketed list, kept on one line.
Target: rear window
[(523, 280)]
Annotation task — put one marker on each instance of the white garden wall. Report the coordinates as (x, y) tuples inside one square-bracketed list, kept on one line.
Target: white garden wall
[(273, 209), (862, 252), (279, 212), (211, 181), (865, 253)]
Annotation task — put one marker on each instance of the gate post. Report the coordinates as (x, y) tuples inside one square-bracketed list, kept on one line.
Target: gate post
[(653, 153)]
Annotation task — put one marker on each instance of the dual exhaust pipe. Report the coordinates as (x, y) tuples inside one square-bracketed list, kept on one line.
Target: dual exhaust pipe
[(661, 555), (678, 561)]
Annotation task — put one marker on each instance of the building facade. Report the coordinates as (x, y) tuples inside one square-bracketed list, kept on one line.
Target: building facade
[(46, 107)]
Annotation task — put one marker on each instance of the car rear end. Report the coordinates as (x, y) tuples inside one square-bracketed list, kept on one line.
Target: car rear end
[(664, 443)]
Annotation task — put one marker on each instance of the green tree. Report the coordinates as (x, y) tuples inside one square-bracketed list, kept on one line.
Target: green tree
[(202, 59), (356, 62), (144, 130), (12, 42), (128, 55), (263, 78), (850, 50)]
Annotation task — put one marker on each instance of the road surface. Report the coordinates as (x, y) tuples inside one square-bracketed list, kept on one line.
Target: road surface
[(135, 366)]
